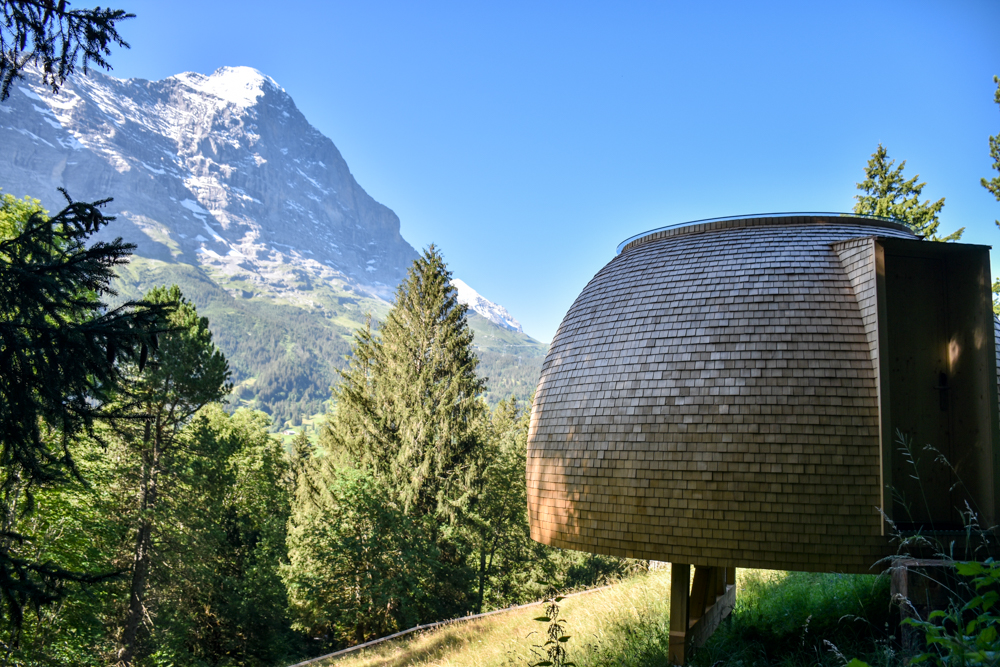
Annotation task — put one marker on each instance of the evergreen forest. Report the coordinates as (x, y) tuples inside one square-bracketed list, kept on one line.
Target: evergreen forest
[(144, 523), (285, 358), (150, 518)]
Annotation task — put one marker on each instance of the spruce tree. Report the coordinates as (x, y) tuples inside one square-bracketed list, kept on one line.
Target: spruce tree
[(394, 470), (301, 453), (61, 353), (409, 401), (59, 340), (50, 35), (993, 184), (887, 194), (186, 373)]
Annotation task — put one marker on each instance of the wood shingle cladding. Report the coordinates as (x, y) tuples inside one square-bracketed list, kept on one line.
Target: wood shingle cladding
[(713, 397)]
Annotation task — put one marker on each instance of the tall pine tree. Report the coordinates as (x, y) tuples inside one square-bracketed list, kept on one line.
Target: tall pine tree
[(408, 404), (61, 348), (887, 194), (380, 506), (186, 373), (993, 184)]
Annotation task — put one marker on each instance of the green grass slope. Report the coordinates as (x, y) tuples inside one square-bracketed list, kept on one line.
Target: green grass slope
[(781, 618)]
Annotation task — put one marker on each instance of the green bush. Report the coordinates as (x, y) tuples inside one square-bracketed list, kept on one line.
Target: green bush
[(967, 633)]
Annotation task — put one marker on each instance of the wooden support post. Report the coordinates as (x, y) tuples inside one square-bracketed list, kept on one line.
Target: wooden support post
[(700, 598), (680, 587), (696, 612), (720, 582)]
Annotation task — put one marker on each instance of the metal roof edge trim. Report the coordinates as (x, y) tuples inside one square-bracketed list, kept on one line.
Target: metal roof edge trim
[(709, 224)]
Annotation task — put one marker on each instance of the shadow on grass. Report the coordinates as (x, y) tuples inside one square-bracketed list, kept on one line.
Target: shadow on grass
[(795, 618), (803, 618), (643, 644), (419, 649)]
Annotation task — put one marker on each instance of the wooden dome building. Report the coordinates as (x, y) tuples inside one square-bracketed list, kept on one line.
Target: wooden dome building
[(728, 392)]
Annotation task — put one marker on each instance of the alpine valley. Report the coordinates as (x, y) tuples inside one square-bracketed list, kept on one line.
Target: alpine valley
[(229, 192)]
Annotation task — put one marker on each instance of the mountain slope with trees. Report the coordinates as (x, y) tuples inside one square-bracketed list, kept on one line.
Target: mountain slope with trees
[(284, 358), (227, 191), (412, 508)]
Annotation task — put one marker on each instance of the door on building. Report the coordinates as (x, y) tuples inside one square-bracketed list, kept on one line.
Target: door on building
[(917, 305)]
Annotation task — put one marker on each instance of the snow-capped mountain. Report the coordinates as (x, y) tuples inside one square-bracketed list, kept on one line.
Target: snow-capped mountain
[(495, 313), (221, 171), (230, 193)]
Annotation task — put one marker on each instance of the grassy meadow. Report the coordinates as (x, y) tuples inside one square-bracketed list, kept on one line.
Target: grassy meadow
[(780, 618)]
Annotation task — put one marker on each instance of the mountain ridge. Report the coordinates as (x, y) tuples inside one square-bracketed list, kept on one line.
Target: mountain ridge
[(222, 174), (493, 312), (222, 171)]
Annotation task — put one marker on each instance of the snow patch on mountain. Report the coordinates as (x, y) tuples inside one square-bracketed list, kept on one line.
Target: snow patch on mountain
[(240, 85), (495, 313)]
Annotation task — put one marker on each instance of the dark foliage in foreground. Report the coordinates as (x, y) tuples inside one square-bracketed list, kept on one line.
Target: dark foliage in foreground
[(48, 34), (59, 344)]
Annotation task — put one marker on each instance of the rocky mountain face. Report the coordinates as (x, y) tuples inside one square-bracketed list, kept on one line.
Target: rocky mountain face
[(220, 171), (230, 193)]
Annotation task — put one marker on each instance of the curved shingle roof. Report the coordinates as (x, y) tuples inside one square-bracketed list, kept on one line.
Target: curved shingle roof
[(711, 398)]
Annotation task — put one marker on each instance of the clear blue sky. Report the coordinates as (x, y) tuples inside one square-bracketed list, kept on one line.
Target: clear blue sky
[(527, 139)]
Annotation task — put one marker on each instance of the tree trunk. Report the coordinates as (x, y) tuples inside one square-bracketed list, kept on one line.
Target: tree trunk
[(482, 578), (141, 556), (12, 492)]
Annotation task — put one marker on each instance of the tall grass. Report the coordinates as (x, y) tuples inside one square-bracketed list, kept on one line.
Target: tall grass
[(803, 618), (596, 621), (780, 618)]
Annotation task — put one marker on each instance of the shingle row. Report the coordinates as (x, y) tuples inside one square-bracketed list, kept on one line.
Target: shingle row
[(711, 398)]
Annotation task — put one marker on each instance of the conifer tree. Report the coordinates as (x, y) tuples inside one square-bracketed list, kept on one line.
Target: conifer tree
[(61, 348), (887, 194), (384, 495), (993, 184), (300, 454), (186, 373), (49, 34), (408, 404), (59, 339)]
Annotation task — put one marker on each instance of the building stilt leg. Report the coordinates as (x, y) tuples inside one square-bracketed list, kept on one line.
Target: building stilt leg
[(697, 607)]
